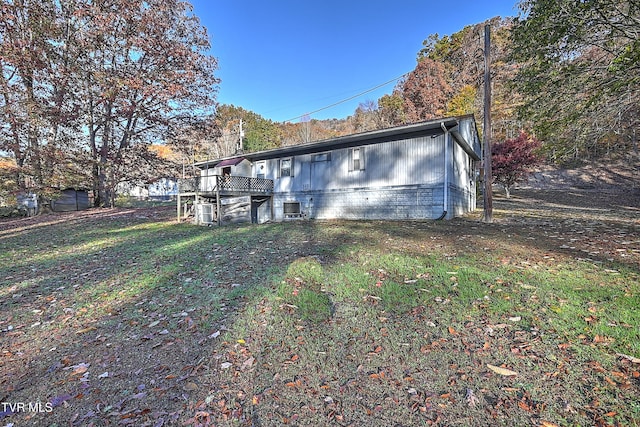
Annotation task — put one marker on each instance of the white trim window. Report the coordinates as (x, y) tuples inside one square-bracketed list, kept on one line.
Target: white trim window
[(356, 159), (286, 167)]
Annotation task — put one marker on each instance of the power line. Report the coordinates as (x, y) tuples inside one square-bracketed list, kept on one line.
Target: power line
[(347, 99)]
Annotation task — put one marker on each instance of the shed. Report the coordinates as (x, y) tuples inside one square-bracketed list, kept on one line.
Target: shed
[(70, 200)]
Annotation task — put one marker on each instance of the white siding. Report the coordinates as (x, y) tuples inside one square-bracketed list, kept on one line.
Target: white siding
[(396, 163)]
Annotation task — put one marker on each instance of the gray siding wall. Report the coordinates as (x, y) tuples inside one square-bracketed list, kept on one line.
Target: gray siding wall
[(418, 161), (462, 185), (394, 203), (467, 129), (401, 180), (244, 168)]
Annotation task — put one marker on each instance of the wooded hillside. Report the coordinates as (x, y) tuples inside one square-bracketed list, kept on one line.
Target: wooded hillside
[(580, 98)]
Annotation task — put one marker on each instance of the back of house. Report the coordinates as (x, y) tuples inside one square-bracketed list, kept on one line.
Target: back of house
[(420, 171)]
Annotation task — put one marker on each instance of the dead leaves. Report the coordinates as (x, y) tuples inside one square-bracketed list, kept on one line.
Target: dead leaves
[(85, 330), (247, 363), (502, 371)]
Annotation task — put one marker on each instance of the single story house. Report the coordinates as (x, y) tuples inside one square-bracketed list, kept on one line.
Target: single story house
[(424, 170), (164, 188)]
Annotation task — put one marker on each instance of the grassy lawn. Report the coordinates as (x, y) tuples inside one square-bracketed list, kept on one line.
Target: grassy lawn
[(123, 317)]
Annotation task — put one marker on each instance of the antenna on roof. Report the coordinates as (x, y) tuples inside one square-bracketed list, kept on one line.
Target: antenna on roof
[(239, 147)]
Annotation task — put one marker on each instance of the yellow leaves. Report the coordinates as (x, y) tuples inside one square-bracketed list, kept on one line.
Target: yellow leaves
[(502, 371), (8, 165), (162, 151), (85, 330), (547, 424)]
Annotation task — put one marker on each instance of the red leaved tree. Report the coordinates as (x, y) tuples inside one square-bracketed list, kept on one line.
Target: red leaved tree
[(511, 160), (426, 91)]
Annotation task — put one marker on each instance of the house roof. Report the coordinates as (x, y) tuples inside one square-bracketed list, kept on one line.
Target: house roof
[(231, 162), (432, 127)]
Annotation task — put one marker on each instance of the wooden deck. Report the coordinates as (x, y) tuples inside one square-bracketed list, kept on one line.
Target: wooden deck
[(218, 188), (211, 186)]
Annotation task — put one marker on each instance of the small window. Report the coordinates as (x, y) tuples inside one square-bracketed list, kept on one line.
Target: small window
[(321, 157), (356, 159), (285, 167), (261, 170)]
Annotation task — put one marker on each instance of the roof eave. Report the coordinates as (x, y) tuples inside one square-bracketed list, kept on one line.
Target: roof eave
[(365, 138)]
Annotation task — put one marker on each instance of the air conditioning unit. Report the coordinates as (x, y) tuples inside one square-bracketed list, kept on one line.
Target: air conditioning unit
[(206, 213)]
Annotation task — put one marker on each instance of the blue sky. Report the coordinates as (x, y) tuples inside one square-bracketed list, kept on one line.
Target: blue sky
[(284, 58)]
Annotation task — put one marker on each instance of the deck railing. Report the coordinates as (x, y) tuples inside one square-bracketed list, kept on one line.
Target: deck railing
[(232, 184)]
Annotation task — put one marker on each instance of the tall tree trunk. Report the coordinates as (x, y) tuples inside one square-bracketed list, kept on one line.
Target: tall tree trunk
[(32, 133)]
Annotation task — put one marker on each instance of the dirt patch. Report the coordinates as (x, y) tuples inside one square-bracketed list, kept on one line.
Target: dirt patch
[(615, 174)]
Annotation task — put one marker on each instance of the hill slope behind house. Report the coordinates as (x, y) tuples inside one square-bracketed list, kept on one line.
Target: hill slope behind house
[(614, 174)]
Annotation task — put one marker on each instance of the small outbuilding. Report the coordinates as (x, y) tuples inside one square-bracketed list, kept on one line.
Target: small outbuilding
[(70, 200)]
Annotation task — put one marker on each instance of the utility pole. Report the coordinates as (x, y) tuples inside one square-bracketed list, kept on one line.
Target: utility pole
[(488, 176)]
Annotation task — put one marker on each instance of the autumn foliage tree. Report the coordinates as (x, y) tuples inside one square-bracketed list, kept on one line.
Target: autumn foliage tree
[(39, 107), (426, 91), (93, 84), (512, 160), (147, 72), (580, 74)]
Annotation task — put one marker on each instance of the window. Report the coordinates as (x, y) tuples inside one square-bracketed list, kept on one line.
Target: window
[(321, 157), (261, 169), (286, 167), (356, 159)]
